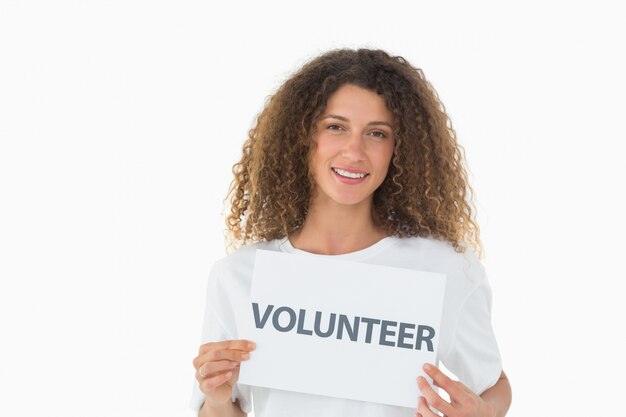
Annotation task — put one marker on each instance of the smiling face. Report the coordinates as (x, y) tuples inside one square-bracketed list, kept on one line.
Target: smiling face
[(353, 147)]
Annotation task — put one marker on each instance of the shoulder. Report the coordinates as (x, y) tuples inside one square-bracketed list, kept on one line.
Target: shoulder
[(238, 265), (439, 256)]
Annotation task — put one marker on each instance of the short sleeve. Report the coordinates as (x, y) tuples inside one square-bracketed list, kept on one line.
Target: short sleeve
[(215, 329), (474, 356)]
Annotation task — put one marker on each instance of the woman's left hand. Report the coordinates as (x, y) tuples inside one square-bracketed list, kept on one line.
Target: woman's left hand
[(463, 402)]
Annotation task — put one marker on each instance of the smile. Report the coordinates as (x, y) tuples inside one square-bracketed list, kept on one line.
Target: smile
[(349, 174)]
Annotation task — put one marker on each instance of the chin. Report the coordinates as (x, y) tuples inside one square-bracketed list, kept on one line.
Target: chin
[(350, 201)]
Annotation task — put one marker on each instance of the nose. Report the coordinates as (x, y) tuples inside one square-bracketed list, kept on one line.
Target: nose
[(353, 147)]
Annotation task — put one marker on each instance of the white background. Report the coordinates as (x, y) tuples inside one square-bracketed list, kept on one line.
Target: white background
[(120, 120)]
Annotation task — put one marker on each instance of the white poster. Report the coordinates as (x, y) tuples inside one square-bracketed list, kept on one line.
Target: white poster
[(340, 328)]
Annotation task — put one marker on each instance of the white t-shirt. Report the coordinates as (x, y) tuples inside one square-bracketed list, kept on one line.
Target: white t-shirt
[(467, 345)]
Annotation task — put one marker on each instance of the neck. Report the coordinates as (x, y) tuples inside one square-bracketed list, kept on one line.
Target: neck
[(333, 229)]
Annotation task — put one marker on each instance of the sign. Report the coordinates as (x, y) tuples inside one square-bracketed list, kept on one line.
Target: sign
[(341, 328)]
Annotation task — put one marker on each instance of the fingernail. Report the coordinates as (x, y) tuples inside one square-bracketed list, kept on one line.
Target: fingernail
[(252, 345), (427, 367), (245, 356)]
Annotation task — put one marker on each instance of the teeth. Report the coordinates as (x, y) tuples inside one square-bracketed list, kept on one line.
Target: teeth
[(349, 174)]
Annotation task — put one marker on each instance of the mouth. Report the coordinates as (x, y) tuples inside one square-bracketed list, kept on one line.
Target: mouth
[(350, 174)]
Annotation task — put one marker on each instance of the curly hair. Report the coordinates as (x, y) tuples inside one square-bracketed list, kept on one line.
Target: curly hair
[(426, 188)]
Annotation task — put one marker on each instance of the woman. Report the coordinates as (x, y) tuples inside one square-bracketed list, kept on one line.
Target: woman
[(354, 158)]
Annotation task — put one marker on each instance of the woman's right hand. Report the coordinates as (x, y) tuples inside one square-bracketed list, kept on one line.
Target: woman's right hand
[(217, 368)]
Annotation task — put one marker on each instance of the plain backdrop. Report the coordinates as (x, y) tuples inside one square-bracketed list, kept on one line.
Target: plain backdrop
[(119, 125)]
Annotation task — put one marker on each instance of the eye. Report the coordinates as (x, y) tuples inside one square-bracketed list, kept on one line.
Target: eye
[(333, 127), (378, 134)]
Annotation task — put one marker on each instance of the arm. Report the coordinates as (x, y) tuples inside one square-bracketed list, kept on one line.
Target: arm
[(499, 396), (494, 402), (229, 409)]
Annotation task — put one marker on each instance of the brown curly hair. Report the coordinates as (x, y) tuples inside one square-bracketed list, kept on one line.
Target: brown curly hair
[(425, 190)]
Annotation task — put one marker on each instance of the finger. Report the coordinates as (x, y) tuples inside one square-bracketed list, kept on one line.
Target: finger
[(228, 354), (240, 344), (433, 398), (441, 380), (210, 369), (423, 409), (221, 354), (218, 355), (210, 384)]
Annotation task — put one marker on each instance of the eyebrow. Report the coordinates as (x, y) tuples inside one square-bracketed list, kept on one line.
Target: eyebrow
[(345, 119)]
